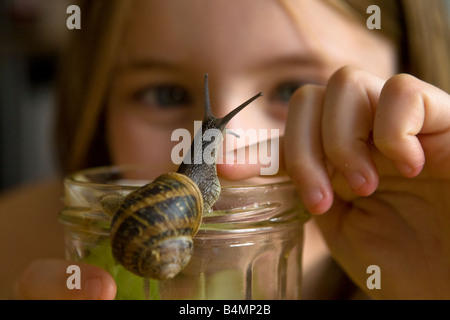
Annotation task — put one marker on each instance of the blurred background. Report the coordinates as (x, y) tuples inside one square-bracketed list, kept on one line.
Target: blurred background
[(31, 35)]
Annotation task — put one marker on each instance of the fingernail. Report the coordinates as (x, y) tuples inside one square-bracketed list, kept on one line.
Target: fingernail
[(312, 197), (356, 180), (94, 288), (405, 169)]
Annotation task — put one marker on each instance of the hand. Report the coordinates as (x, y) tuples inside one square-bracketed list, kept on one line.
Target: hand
[(47, 280), (375, 156)]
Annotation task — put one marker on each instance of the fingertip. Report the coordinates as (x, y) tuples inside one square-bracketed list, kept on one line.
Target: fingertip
[(227, 171), (409, 171), (109, 289), (316, 200), (237, 171), (98, 284), (362, 184), (100, 287)]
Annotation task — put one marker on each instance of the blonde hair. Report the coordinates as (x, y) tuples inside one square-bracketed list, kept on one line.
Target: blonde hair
[(87, 65), (418, 28)]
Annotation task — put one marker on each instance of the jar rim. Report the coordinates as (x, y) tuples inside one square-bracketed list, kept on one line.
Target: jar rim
[(79, 178), (245, 204)]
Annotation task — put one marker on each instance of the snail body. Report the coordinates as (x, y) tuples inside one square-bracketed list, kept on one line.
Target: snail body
[(152, 229)]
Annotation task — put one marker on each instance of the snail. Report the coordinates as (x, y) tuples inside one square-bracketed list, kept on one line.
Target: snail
[(152, 229)]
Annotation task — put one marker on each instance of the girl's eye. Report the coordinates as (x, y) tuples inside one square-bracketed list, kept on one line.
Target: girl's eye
[(280, 97), (164, 97), (283, 92)]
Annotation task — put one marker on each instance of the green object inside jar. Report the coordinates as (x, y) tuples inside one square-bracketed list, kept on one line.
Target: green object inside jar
[(129, 285)]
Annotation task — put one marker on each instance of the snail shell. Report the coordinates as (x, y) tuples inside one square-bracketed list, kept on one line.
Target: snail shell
[(167, 214)]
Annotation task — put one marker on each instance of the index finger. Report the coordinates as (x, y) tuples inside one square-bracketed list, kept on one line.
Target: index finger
[(413, 123)]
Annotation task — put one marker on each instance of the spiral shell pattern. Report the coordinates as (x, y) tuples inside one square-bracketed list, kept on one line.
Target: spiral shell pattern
[(151, 232)]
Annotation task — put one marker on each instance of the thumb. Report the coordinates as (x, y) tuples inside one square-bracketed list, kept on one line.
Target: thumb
[(58, 279)]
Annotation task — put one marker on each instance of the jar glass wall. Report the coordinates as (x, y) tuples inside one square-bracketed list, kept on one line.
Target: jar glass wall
[(248, 247)]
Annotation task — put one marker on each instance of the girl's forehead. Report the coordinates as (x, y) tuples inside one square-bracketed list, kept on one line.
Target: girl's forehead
[(187, 28), (204, 33)]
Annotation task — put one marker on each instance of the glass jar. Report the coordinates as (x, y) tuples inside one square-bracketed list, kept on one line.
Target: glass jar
[(248, 247)]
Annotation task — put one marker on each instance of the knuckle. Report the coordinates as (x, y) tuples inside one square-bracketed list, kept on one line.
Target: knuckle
[(387, 143), (401, 85), (335, 150), (382, 141), (347, 155), (346, 77)]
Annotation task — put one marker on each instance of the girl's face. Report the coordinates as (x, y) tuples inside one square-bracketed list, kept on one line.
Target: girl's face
[(247, 48)]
